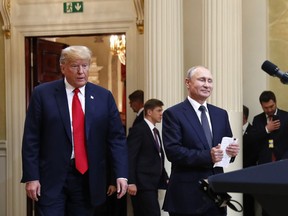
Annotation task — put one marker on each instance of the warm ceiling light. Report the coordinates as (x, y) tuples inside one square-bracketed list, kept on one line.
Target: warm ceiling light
[(118, 47)]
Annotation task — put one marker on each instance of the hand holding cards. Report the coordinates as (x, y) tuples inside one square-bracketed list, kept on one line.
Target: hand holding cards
[(226, 141)]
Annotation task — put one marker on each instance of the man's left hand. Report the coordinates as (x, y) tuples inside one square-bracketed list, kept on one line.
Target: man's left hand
[(233, 149)]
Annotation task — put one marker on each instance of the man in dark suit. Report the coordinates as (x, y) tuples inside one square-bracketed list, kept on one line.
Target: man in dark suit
[(57, 176), (136, 101), (190, 151), (270, 129), (249, 150), (249, 159), (147, 173)]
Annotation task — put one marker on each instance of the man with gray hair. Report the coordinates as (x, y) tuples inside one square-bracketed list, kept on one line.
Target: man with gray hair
[(70, 124), (192, 133)]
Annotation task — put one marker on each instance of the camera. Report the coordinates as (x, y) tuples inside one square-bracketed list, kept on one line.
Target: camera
[(275, 117)]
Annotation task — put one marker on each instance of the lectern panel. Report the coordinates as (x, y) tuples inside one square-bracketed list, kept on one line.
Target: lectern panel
[(267, 183)]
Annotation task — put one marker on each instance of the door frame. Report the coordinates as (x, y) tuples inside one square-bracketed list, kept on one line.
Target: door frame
[(15, 90)]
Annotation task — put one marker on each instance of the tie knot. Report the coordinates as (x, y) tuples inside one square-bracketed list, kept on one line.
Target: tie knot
[(155, 130), (76, 90), (202, 108)]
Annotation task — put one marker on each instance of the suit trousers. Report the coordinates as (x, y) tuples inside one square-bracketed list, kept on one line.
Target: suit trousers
[(214, 211), (112, 207), (73, 199), (146, 203)]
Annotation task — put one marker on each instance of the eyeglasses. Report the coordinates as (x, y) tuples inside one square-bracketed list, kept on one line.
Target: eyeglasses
[(76, 68)]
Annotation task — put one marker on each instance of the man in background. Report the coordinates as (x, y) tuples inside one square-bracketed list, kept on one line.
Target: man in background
[(147, 173), (249, 159), (249, 150), (270, 129), (136, 101)]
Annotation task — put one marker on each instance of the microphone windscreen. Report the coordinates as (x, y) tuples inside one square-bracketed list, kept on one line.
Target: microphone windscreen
[(270, 68)]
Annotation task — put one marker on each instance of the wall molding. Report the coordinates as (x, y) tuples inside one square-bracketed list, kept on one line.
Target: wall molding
[(2, 144), (3, 177), (3, 148), (139, 8), (5, 9)]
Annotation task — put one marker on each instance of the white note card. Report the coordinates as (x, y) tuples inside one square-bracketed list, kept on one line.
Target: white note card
[(226, 158)]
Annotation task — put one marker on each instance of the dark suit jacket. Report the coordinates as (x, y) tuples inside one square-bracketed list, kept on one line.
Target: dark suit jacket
[(139, 118), (145, 163), (249, 148), (47, 139), (188, 151), (280, 137)]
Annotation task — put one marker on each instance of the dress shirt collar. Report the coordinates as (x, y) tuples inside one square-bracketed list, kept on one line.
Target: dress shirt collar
[(245, 127), (267, 117), (196, 105), (139, 112), (150, 124), (70, 88)]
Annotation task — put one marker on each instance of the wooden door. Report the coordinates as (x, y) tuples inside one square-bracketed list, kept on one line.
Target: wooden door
[(41, 65)]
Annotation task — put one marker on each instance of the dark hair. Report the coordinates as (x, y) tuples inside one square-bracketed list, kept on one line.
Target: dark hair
[(245, 111), (137, 95), (267, 96), (152, 104)]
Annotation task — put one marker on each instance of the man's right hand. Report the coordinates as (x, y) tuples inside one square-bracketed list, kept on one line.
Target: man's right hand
[(216, 153), (33, 189), (132, 189), (273, 125)]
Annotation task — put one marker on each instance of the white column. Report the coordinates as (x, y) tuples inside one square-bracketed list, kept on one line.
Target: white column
[(164, 76), (223, 56), (15, 115), (163, 56)]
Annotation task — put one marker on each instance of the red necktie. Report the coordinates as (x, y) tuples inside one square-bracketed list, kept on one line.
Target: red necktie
[(80, 152)]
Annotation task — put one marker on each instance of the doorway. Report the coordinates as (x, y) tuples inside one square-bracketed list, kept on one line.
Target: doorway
[(42, 58), (42, 65)]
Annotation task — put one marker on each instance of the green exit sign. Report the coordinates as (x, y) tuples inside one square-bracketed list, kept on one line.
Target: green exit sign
[(73, 7)]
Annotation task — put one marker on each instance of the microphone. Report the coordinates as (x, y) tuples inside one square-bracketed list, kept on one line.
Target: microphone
[(273, 70)]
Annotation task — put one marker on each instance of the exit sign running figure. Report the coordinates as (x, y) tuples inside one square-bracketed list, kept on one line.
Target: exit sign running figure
[(73, 7)]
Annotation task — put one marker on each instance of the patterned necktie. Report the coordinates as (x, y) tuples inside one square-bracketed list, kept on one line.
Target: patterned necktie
[(80, 151), (156, 135), (157, 138), (205, 125)]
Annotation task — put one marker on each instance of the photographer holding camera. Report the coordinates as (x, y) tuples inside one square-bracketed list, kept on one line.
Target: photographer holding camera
[(270, 129)]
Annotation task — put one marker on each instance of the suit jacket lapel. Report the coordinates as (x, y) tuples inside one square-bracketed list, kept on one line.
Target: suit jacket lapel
[(61, 99), (194, 122), (214, 119), (264, 119), (151, 136), (90, 98)]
